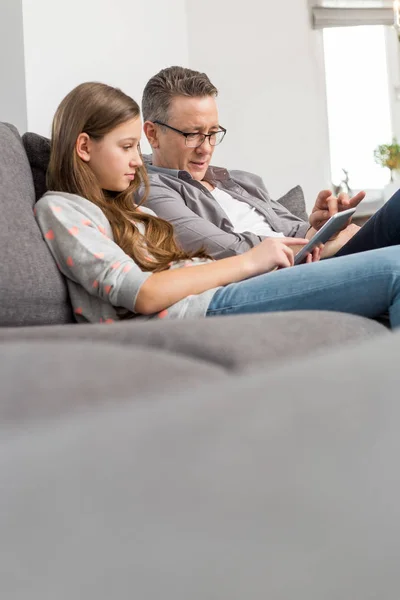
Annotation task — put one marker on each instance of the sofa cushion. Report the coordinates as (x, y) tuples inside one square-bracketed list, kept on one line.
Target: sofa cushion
[(236, 343), (278, 486), (47, 379), (294, 201), (37, 149), (33, 291)]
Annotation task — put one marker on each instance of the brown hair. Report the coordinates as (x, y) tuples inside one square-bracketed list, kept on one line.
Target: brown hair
[(96, 109), (169, 83)]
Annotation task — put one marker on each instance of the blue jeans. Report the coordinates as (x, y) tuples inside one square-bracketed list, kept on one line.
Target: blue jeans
[(366, 284)]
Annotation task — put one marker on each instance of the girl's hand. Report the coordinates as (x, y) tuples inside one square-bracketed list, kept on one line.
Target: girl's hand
[(272, 253), (315, 255)]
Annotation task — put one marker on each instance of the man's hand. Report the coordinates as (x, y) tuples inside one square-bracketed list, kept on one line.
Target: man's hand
[(328, 205)]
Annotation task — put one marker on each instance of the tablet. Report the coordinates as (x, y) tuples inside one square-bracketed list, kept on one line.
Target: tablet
[(332, 226)]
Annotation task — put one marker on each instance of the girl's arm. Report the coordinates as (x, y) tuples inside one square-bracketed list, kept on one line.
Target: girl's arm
[(168, 287), (83, 252), (78, 236)]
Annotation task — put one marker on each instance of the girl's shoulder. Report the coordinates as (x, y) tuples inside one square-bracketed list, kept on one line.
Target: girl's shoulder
[(144, 209), (53, 200)]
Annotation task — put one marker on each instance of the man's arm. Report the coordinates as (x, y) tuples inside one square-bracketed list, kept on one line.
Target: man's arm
[(285, 221), (194, 232)]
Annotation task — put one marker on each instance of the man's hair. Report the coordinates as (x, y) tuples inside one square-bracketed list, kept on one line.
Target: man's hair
[(169, 83)]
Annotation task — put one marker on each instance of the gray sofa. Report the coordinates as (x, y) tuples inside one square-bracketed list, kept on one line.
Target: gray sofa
[(245, 457)]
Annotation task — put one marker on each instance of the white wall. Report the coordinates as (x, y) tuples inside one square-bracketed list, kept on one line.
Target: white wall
[(119, 42), (12, 73), (268, 66), (263, 57)]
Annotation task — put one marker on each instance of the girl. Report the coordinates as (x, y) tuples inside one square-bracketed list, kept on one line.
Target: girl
[(121, 260)]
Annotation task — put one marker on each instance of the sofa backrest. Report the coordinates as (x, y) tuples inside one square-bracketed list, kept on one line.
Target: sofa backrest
[(32, 290)]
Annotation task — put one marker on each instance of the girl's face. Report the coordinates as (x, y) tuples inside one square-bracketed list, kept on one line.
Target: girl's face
[(115, 158)]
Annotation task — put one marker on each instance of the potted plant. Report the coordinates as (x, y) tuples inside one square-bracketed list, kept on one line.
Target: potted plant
[(388, 155)]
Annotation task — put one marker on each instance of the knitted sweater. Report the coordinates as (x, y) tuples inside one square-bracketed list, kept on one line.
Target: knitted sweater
[(103, 281)]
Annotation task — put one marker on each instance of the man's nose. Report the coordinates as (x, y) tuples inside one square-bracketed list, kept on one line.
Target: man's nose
[(205, 147)]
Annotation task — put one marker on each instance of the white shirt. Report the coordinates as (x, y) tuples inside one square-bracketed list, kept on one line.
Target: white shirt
[(243, 216)]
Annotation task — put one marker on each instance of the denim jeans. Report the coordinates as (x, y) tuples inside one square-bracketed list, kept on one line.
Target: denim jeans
[(366, 284), (380, 231)]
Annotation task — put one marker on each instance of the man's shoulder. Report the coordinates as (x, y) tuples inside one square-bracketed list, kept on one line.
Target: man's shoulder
[(156, 176), (164, 180), (243, 178), (246, 177)]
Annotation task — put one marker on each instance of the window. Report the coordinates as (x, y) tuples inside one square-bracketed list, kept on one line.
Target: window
[(358, 98)]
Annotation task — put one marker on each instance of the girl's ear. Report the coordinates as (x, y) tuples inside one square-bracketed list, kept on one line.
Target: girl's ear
[(151, 133), (83, 146)]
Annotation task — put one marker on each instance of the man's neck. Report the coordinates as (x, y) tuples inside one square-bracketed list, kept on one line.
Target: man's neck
[(207, 185)]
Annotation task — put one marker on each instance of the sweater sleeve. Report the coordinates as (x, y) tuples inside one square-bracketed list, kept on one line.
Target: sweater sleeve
[(79, 240)]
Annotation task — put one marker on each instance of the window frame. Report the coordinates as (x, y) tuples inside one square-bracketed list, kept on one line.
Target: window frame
[(392, 46)]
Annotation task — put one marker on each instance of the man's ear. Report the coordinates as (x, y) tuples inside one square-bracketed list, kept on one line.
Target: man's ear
[(151, 132), (83, 146)]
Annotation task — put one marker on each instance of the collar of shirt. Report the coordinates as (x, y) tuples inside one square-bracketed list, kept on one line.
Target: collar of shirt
[(213, 174)]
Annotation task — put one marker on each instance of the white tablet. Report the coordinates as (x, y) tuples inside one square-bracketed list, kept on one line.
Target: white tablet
[(332, 226)]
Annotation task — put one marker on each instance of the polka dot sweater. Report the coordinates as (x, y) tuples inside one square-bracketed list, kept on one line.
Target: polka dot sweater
[(103, 282)]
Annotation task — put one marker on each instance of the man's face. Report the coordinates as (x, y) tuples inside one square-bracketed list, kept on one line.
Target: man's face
[(191, 115)]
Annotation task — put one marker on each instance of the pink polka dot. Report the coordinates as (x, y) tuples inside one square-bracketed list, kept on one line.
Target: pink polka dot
[(188, 263), (127, 268), (116, 265), (78, 311), (107, 288), (86, 222), (102, 230), (49, 235), (99, 254), (34, 211), (74, 230), (70, 262), (162, 314), (95, 283), (109, 321), (56, 209)]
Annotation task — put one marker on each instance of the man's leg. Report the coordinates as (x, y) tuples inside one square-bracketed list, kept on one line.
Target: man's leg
[(381, 230)]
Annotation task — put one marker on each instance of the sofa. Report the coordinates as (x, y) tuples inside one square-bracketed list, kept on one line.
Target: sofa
[(233, 457)]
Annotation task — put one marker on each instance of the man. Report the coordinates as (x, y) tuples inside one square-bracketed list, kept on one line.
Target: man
[(229, 212)]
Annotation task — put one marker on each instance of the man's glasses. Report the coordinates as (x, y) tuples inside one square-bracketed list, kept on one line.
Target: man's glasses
[(194, 140)]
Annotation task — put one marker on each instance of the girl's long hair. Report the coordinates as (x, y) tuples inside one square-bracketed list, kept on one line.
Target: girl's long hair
[(96, 109)]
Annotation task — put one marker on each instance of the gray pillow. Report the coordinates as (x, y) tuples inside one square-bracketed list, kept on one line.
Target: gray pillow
[(32, 290), (37, 149), (294, 201)]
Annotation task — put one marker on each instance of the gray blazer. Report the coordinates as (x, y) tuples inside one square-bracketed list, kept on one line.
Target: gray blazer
[(198, 219)]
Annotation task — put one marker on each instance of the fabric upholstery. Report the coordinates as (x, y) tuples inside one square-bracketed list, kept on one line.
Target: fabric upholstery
[(48, 379), (283, 485), (37, 149), (239, 343), (294, 201), (33, 291)]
